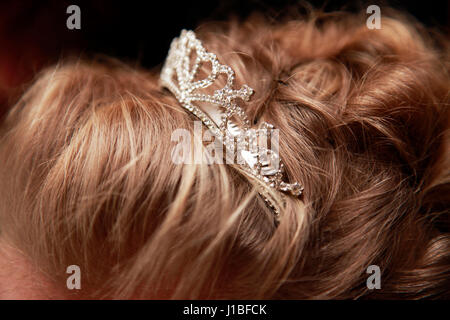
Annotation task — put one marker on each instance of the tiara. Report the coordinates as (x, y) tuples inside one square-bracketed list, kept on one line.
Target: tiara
[(223, 116)]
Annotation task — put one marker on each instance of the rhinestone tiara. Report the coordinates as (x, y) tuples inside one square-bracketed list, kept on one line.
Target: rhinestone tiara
[(223, 116)]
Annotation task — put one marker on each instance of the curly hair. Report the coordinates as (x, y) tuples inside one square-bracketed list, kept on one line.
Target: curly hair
[(87, 177)]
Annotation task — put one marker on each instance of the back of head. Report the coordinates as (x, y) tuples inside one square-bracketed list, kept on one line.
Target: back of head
[(87, 176)]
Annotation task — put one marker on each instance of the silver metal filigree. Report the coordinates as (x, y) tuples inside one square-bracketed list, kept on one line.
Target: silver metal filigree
[(222, 114)]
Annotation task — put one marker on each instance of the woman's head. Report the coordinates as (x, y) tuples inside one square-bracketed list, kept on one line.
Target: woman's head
[(88, 176)]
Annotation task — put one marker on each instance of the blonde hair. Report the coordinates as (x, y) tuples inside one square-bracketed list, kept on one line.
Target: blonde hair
[(87, 176)]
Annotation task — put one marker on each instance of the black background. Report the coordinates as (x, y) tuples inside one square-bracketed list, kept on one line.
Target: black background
[(142, 30), (33, 34)]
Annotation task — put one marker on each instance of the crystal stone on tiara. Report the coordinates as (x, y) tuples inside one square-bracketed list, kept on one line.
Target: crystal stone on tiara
[(222, 115)]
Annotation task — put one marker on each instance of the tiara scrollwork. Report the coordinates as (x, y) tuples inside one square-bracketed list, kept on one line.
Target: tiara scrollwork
[(222, 115)]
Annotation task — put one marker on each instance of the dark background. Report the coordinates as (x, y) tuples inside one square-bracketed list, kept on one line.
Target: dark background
[(34, 33)]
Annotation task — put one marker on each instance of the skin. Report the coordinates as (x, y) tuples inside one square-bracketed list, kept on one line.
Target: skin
[(21, 280)]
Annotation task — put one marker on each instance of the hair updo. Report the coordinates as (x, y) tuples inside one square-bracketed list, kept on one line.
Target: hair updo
[(87, 177)]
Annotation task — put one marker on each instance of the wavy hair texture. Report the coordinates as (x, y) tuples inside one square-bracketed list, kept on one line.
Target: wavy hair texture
[(87, 177)]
